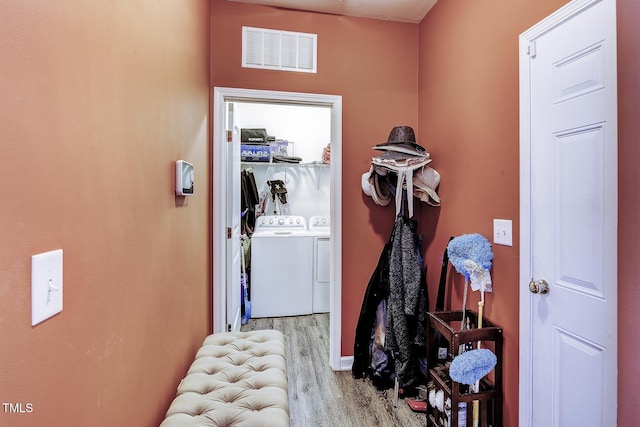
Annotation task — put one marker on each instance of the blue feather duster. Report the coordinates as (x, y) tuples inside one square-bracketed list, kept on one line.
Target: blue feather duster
[(474, 247), (472, 365)]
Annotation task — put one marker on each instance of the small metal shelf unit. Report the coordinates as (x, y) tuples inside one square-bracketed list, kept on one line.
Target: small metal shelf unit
[(490, 394)]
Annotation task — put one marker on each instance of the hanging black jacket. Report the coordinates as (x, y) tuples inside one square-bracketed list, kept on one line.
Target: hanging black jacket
[(377, 291), (398, 279), (248, 201)]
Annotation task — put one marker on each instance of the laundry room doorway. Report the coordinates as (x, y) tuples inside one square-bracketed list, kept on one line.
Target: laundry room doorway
[(230, 110)]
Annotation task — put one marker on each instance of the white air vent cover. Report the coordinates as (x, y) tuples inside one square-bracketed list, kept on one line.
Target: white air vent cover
[(279, 50)]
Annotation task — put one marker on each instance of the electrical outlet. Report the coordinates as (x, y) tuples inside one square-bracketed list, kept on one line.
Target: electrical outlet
[(46, 285), (502, 234)]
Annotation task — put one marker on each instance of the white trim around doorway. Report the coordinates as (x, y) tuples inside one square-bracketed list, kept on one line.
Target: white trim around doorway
[(219, 209)]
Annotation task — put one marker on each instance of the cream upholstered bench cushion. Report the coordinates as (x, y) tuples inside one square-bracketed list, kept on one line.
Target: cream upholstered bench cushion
[(236, 379)]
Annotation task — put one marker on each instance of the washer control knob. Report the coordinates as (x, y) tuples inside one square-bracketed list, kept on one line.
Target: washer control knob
[(281, 221)]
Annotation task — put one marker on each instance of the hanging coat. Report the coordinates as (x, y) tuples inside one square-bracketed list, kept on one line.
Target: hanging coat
[(399, 281), (406, 305), (376, 293), (249, 198)]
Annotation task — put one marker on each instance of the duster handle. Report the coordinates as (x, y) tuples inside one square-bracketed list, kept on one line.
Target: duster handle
[(476, 403)]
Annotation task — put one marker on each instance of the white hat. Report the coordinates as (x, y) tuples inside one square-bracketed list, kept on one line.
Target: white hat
[(366, 186), (374, 185), (380, 193), (425, 183)]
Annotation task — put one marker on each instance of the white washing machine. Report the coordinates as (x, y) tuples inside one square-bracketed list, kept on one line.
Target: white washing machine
[(320, 228), (281, 267)]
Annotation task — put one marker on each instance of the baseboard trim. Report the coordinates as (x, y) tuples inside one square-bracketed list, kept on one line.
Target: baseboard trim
[(346, 362)]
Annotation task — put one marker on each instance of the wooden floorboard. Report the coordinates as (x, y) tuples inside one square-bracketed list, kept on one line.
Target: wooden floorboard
[(319, 396)]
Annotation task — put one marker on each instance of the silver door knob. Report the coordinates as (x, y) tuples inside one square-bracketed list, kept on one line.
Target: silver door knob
[(539, 287)]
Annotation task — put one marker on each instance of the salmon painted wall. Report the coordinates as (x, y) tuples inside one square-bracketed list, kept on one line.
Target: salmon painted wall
[(467, 104), (469, 117), (98, 101), (372, 64), (628, 208)]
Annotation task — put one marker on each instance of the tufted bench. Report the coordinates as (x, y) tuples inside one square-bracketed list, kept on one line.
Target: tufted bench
[(236, 379)]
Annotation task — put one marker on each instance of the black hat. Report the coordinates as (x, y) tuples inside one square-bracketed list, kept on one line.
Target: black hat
[(402, 139)]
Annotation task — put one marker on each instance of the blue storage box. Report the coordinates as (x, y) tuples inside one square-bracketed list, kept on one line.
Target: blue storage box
[(255, 153)]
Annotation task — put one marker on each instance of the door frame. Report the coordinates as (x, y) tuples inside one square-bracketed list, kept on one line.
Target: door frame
[(526, 48), (221, 95)]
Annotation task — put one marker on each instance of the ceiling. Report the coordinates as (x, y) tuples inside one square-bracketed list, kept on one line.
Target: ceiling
[(389, 10)]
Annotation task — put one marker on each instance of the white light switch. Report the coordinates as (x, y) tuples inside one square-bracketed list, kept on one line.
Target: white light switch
[(502, 232), (46, 285)]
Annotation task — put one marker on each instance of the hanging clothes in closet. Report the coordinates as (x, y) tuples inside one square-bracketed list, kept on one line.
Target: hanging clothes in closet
[(249, 198), (391, 330)]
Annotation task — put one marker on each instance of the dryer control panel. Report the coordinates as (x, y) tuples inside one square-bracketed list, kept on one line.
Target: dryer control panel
[(320, 223)]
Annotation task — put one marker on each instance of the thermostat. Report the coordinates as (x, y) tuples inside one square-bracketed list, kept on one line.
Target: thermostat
[(184, 178)]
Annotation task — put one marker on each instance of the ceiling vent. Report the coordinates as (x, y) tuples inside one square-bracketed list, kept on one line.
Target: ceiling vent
[(279, 50)]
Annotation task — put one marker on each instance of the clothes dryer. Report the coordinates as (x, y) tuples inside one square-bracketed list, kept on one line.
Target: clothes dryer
[(281, 267), (320, 228)]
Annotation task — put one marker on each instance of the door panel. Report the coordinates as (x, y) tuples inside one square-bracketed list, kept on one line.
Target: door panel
[(580, 210), (573, 214), (579, 365), (233, 223)]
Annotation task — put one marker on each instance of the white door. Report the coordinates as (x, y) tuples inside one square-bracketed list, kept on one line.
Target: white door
[(233, 223), (569, 218)]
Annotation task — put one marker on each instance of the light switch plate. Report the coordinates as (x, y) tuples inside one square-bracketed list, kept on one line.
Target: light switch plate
[(502, 233), (46, 285)]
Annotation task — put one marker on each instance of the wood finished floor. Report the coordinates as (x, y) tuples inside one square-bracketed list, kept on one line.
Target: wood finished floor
[(320, 397)]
